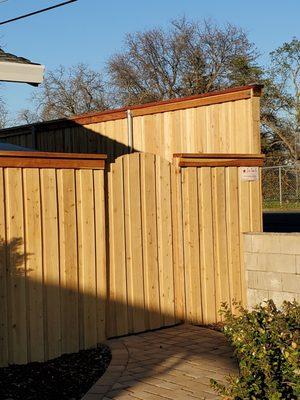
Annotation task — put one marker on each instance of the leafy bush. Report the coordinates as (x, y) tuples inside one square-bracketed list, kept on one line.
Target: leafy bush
[(266, 342)]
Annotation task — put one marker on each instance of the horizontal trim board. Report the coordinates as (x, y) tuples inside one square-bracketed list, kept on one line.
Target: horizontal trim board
[(7, 162), (198, 102), (254, 90), (218, 155), (20, 159), (222, 163), (231, 94)]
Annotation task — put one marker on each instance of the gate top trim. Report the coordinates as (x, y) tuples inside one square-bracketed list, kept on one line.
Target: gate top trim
[(218, 160), (36, 159)]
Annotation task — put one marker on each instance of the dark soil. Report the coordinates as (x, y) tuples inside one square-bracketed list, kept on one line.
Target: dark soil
[(67, 377)]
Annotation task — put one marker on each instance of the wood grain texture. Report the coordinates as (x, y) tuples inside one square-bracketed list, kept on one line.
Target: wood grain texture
[(51, 265), (4, 297), (34, 262), (90, 254), (53, 262), (18, 345), (225, 95), (223, 122)]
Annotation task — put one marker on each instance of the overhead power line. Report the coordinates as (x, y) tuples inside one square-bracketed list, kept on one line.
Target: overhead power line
[(37, 12)]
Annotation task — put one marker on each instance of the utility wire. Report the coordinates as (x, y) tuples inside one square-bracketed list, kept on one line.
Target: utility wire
[(37, 12)]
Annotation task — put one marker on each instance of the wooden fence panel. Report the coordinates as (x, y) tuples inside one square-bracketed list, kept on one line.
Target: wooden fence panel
[(175, 235), (83, 260), (225, 122), (217, 208), (53, 270)]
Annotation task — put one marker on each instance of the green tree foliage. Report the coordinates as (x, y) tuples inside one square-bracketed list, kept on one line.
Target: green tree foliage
[(281, 104)]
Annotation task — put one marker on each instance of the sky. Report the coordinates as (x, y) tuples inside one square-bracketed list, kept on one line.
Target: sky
[(90, 31)]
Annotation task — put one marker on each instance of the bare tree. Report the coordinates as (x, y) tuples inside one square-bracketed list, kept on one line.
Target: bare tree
[(66, 92), (3, 114), (27, 116), (281, 104), (186, 59)]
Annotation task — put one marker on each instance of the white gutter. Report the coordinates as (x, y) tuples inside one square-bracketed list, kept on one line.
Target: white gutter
[(19, 72), (130, 130)]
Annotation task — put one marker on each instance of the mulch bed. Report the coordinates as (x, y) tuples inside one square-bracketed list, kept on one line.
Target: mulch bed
[(67, 377)]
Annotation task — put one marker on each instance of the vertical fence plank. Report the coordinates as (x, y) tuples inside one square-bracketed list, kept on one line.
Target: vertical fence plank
[(111, 303), (16, 267), (86, 254), (34, 262), (68, 260), (149, 220), (118, 280), (245, 225), (220, 237), (51, 263), (3, 277), (178, 254), (256, 205), (233, 233), (165, 240), (208, 289), (128, 242), (101, 253), (133, 219), (81, 271), (192, 246)]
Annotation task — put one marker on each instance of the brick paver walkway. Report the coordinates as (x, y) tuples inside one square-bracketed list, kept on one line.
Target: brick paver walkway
[(174, 363)]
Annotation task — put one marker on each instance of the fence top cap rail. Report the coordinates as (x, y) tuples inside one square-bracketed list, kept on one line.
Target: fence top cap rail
[(218, 160), (144, 109), (218, 155), (44, 154), (37, 159)]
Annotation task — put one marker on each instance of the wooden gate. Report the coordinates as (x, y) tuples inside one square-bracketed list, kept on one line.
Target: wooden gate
[(142, 278), (175, 238)]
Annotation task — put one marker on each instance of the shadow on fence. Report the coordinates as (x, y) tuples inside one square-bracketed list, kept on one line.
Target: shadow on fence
[(41, 321), (37, 328), (74, 138)]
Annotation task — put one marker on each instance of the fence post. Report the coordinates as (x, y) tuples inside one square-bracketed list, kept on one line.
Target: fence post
[(280, 186), (297, 183)]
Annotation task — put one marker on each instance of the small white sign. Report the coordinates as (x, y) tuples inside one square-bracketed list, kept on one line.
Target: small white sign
[(249, 173)]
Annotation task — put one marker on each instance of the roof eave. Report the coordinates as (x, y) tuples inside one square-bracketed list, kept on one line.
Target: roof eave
[(24, 73)]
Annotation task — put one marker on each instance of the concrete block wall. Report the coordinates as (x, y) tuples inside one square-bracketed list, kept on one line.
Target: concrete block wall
[(272, 264)]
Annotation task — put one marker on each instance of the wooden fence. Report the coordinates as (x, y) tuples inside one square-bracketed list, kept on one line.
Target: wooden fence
[(88, 254), (52, 236), (217, 122)]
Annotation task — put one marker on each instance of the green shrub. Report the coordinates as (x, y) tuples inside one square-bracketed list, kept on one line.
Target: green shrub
[(266, 342)]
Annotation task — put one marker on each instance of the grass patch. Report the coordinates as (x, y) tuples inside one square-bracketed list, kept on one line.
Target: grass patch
[(286, 205)]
